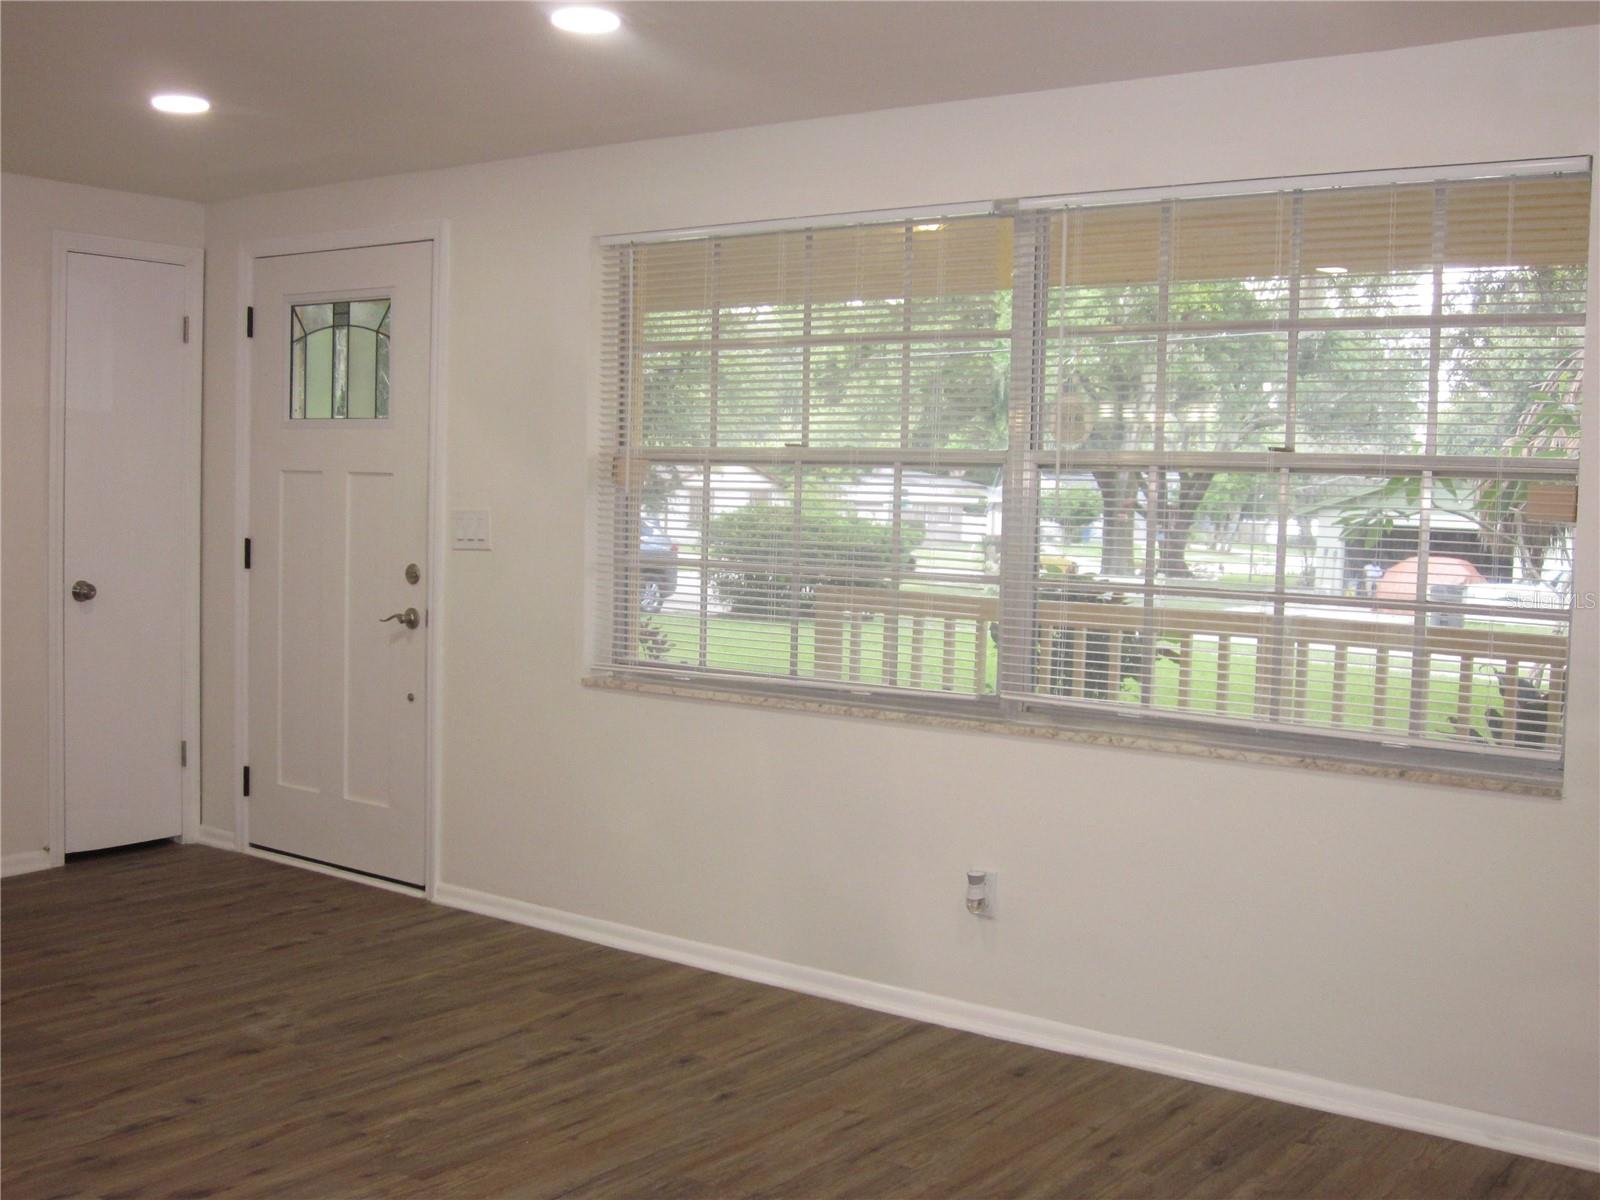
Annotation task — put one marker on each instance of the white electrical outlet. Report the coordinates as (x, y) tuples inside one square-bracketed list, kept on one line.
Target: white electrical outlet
[(980, 892), (469, 529)]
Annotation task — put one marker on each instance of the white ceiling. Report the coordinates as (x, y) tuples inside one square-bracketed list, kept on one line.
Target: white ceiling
[(310, 93)]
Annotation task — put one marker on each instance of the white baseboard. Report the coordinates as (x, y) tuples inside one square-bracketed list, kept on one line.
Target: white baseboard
[(210, 835), (1368, 1104), (24, 862)]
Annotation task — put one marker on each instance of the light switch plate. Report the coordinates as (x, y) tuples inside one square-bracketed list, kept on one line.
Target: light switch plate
[(469, 529)]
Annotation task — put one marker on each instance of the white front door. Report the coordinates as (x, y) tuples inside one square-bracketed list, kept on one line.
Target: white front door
[(340, 403), (126, 550)]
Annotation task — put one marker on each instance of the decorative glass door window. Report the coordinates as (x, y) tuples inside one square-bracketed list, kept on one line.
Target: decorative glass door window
[(339, 360)]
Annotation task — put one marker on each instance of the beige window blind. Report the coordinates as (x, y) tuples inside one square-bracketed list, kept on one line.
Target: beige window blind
[(809, 429)]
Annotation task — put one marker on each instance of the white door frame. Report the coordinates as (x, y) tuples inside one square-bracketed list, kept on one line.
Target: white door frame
[(192, 260), (438, 233)]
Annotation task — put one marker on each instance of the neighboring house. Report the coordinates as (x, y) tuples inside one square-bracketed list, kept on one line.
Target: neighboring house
[(951, 510), (682, 511)]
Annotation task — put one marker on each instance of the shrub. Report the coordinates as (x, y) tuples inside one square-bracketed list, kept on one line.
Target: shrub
[(833, 549), (1072, 508)]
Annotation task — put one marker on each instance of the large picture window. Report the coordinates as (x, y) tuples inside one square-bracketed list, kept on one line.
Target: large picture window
[(1299, 460)]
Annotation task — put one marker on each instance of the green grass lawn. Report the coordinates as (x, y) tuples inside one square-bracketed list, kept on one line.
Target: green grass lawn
[(760, 647)]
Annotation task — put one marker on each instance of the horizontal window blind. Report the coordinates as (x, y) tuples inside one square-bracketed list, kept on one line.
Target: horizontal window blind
[(1284, 458), (809, 430), (1299, 460)]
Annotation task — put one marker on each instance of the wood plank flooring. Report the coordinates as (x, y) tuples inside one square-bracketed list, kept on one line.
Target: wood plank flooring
[(186, 1022)]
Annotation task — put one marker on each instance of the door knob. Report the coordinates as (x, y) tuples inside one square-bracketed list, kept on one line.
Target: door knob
[(411, 618), (83, 590)]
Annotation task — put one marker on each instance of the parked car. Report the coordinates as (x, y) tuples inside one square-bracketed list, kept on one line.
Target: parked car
[(658, 567)]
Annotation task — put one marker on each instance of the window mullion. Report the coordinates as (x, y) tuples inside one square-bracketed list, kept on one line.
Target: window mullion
[(1019, 526), (1421, 667), (891, 620), (712, 384), (1155, 485), (1291, 366), (1276, 654), (797, 485)]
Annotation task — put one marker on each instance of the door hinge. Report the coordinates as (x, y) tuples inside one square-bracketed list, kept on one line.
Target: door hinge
[(250, 320), (183, 753), (247, 554), (247, 781), (185, 331)]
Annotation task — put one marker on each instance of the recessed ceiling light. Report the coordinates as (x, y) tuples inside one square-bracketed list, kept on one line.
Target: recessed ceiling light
[(1334, 270), (177, 102), (585, 18)]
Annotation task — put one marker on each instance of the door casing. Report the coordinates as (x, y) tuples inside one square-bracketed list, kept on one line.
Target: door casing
[(191, 259), (436, 232)]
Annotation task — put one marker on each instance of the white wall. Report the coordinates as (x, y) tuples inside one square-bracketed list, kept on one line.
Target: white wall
[(32, 211), (1436, 943)]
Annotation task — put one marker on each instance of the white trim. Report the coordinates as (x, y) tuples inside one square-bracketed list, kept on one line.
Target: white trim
[(219, 839), (1452, 173), (438, 552), (438, 233), (785, 224), (25, 862), (1292, 1087), (192, 260)]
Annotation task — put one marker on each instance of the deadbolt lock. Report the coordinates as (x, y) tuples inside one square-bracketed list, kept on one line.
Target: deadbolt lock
[(83, 590), (413, 574)]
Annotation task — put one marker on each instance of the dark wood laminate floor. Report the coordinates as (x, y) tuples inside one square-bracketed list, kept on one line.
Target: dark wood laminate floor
[(189, 1022)]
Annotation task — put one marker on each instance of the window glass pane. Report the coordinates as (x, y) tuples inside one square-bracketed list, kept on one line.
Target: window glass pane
[(1226, 393), (312, 317), (1350, 535), (363, 379), (341, 367), (339, 360), (675, 400), (1350, 651), (1100, 393), (1362, 391), (1510, 391), (380, 383), (297, 378), (319, 373), (369, 314), (1220, 529), (760, 396), (812, 574)]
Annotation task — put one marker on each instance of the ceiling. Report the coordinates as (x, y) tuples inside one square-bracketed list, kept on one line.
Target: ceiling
[(311, 93)]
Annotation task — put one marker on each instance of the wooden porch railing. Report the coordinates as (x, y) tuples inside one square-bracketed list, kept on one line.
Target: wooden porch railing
[(1083, 646), (939, 625)]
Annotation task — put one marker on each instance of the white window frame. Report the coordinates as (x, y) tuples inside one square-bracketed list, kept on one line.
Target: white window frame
[(617, 536)]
